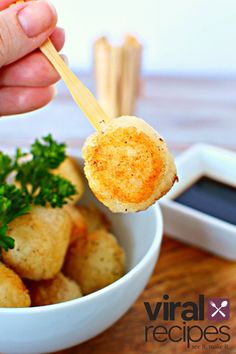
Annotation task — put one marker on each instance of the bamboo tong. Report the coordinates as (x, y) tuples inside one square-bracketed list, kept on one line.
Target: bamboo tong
[(81, 95)]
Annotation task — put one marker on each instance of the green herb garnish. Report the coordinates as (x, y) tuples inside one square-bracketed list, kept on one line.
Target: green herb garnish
[(36, 184), (13, 203), (5, 167)]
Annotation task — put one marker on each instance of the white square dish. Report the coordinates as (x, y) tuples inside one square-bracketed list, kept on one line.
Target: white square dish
[(190, 225)]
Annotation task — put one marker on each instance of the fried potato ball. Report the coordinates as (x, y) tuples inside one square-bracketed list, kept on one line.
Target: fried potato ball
[(54, 291), (128, 165), (70, 170), (94, 218), (13, 292), (41, 241), (85, 220), (79, 223), (95, 261)]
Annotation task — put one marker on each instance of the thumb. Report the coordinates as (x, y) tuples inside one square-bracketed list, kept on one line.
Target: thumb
[(23, 28)]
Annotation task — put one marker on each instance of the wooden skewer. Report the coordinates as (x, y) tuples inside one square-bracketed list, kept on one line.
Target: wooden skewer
[(81, 95), (114, 80), (117, 70), (102, 71), (131, 68)]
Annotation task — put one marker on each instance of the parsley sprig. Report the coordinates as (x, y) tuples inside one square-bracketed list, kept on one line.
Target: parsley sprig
[(6, 167), (13, 203), (36, 184)]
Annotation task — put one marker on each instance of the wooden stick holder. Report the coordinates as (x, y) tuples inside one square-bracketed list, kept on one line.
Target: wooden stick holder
[(117, 73)]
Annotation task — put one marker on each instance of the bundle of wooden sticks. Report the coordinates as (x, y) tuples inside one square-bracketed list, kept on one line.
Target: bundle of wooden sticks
[(117, 70)]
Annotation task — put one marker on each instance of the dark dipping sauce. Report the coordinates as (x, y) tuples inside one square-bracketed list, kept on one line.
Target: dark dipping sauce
[(211, 197)]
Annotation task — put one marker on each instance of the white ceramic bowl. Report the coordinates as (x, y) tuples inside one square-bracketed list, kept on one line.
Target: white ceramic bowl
[(56, 327)]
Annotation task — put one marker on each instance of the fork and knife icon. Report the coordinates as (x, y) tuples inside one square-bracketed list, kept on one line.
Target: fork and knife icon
[(223, 304)]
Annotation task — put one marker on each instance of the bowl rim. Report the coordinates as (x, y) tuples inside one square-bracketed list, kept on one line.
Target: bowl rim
[(155, 245)]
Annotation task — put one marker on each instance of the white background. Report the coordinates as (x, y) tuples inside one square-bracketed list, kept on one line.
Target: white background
[(179, 36)]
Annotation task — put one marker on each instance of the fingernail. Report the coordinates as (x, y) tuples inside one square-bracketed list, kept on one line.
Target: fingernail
[(37, 17)]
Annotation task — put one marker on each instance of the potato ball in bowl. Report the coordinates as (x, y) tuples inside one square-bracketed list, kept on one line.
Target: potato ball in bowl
[(49, 328)]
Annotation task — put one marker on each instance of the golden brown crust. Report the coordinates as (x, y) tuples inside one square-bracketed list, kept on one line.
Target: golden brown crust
[(54, 291), (41, 241), (95, 261), (70, 170), (13, 292), (94, 218), (85, 220), (79, 223), (128, 166)]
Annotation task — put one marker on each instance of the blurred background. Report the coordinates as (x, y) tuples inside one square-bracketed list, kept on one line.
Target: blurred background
[(188, 85), (179, 37)]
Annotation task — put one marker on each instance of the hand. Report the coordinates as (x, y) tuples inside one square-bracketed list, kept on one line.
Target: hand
[(26, 76)]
